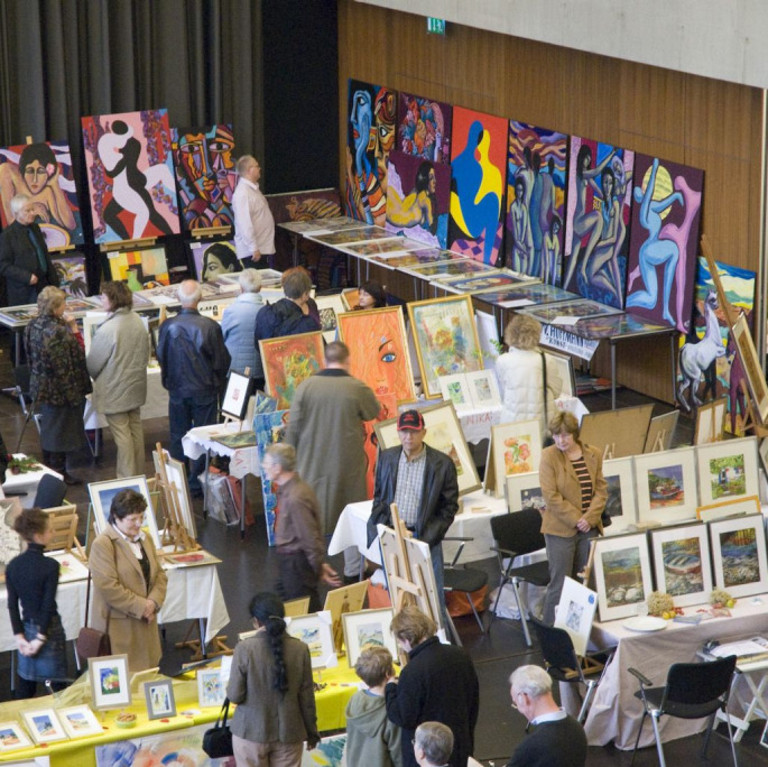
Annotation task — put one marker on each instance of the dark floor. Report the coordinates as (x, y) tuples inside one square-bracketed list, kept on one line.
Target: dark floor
[(249, 566)]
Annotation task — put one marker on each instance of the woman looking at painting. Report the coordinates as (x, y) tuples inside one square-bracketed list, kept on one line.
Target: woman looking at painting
[(574, 490), (32, 580), (371, 295), (129, 583), (271, 683)]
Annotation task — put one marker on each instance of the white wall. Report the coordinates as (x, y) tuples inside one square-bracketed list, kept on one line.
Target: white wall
[(722, 39)]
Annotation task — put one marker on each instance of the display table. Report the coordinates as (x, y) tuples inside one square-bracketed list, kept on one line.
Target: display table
[(199, 441), (615, 714), (476, 424), (25, 485)]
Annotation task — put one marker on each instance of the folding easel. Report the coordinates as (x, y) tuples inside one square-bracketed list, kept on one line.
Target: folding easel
[(174, 530)]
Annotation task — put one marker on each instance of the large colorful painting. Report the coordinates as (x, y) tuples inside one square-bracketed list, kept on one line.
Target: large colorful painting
[(130, 175), (597, 221), (424, 128), (418, 196), (43, 172), (288, 361), (664, 239), (205, 171), (270, 428), (478, 160), (141, 269), (305, 206), (371, 111), (535, 201)]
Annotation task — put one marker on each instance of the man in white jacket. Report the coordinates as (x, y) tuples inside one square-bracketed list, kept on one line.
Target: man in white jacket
[(254, 224)]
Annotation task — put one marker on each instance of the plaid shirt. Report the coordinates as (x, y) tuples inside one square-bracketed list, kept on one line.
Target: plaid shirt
[(410, 487)]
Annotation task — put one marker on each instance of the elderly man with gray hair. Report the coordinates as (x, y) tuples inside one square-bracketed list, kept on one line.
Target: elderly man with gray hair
[(237, 325), (24, 259), (194, 362), (254, 223), (556, 739), (433, 744)]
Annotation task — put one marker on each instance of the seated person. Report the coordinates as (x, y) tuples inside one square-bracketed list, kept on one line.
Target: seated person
[(433, 744)]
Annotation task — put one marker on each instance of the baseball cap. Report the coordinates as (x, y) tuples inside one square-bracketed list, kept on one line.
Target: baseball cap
[(410, 420)]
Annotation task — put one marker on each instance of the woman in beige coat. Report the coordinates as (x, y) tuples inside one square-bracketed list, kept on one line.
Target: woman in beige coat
[(129, 583), (574, 490)]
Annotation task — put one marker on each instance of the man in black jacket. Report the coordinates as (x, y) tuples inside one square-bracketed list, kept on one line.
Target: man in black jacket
[(294, 314)]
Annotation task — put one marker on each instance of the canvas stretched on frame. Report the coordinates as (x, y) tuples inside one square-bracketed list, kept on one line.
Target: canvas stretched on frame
[(316, 631), (710, 422), (666, 486), (368, 628), (288, 361), (621, 503), (741, 507), (661, 431), (514, 448), (682, 564), (102, 494), (575, 613), (622, 575), (739, 555), (727, 470), (110, 683)]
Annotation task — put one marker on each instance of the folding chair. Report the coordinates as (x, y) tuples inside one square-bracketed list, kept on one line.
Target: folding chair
[(464, 579)]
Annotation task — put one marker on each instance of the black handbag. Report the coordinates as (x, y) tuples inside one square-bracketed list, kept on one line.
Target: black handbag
[(217, 742), (90, 642), (605, 518)]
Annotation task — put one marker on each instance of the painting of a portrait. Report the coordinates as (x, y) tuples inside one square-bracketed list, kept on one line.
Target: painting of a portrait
[(43, 172), (288, 361), (129, 164), (424, 128), (141, 269), (535, 201), (214, 259), (205, 171)]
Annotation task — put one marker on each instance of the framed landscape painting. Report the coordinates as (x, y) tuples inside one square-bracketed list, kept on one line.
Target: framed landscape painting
[(316, 631), (739, 555), (622, 575), (368, 628), (446, 339), (682, 564), (524, 492), (666, 486), (288, 361), (44, 726), (727, 470)]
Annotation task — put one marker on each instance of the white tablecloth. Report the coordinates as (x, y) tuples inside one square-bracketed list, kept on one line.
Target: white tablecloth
[(476, 424), (242, 461), (25, 485)]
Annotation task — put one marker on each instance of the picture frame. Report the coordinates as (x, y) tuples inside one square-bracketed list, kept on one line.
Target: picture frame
[(619, 560), (575, 613), (339, 602), (666, 487), (710, 422), (237, 395), (296, 607), (368, 628), (742, 507), (350, 297), (484, 388), (176, 472), (446, 340), (316, 631), (210, 688), (455, 389), (661, 431), (289, 360), (43, 725), (739, 555), (443, 433), (727, 470), (514, 448), (524, 491), (763, 452), (91, 323), (753, 368), (563, 363), (330, 307), (618, 433), (80, 721), (102, 493), (621, 503), (488, 333), (13, 737), (682, 563), (110, 683), (161, 703)]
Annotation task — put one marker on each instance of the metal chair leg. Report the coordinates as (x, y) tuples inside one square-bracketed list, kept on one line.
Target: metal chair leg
[(657, 735), (637, 739), (587, 702), (477, 617), (521, 608)]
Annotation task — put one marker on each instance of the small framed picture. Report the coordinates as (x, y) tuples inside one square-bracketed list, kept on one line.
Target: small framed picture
[(524, 492), (368, 628), (666, 486), (727, 470), (43, 725), (739, 555), (236, 396), (454, 388), (563, 364), (316, 631), (80, 721), (210, 690), (160, 700), (102, 494), (483, 388), (110, 683), (620, 503), (12, 737)]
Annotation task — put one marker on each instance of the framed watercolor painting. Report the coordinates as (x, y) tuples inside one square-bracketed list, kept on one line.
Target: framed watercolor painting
[(620, 504), (102, 494), (666, 486), (622, 575), (339, 602), (43, 725), (446, 340), (484, 388), (524, 492), (455, 389), (159, 698), (739, 508), (110, 684), (80, 721), (368, 628), (444, 434), (288, 361), (13, 737), (316, 631), (681, 563), (378, 350), (739, 555), (710, 421), (210, 687), (727, 470), (236, 396), (515, 448)]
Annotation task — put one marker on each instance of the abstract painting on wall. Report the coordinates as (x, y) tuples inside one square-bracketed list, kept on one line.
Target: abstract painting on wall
[(478, 160), (664, 240), (418, 196), (597, 220), (43, 172), (71, 273), (371, 113), (424, 128), (141, 269), (535, 201), (130, 175), (205, 171)]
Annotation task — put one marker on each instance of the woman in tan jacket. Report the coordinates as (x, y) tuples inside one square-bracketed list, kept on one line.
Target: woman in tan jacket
[(574, 490)]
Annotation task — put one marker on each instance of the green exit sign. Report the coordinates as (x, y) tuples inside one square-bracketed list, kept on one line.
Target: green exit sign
[(435, 26)]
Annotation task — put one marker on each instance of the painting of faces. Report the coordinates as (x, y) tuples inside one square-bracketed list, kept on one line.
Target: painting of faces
[(130, 175), (205, 171), (43, 172), (371, 112), (213, 260), (424, 128)]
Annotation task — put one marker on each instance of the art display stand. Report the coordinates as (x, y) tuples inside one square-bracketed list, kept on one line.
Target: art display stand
[(63, 523), (199, 651), (174, 530), (211, 231)]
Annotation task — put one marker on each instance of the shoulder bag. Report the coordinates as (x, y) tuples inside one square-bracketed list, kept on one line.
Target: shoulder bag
[(90, 642), (217, 741)]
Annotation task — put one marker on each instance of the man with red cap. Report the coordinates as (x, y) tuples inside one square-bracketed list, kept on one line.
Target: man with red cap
[(422, 482)]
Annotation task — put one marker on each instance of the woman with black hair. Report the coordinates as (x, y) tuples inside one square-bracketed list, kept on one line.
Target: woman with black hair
[(271, 682)]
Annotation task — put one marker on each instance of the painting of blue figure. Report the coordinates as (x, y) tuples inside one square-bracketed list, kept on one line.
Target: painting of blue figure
[(662, 246), (597, 225), (535, 201), (371, 117), (418, 195), (424, 128), (269, 428), (478, 159)]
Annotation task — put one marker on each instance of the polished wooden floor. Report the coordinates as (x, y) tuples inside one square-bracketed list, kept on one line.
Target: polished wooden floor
[(249, 566)]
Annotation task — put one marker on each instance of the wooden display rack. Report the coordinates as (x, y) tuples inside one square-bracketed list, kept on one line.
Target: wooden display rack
[(174, 530)]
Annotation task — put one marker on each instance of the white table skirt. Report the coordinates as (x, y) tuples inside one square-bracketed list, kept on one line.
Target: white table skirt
[(242, 461)]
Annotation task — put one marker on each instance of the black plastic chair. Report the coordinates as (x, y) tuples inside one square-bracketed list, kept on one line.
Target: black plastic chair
[(50, 492), (516, 534), (464, 580), (564, 665), (693, 691)]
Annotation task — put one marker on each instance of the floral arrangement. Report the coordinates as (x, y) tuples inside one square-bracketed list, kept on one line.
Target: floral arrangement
[(662, 605), (721, 598), (23, 465)]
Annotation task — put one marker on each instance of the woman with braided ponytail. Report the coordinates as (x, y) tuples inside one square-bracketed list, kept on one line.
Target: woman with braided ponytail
[(271, 682)]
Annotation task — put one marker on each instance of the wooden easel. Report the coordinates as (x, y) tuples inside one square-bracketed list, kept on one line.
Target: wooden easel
[(608, 451), (63, 523), (218, 646), (174, 530)]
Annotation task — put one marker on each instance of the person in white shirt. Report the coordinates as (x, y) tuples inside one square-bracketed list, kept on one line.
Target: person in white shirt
[(254, 224)]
